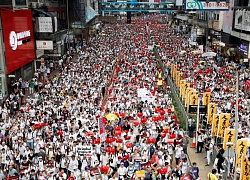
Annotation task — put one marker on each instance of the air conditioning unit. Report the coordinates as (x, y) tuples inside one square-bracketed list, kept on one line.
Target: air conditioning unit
[(33, 4), (39, 5)]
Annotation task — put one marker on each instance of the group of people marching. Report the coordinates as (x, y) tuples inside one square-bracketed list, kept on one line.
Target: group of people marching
[(112, 101)]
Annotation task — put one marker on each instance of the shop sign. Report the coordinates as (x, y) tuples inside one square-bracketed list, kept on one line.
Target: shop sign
[(18, 35), (244, 48), (39, 53), (47, 45), (204, 6)]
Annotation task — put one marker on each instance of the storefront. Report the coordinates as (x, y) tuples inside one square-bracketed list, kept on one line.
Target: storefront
[(19, 48)]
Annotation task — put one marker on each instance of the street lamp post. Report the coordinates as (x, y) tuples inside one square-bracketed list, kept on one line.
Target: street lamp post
[(236, 120)]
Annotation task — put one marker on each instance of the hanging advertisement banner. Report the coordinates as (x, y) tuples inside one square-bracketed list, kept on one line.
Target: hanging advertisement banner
[(18, 38), (242, 20), (204, 6)]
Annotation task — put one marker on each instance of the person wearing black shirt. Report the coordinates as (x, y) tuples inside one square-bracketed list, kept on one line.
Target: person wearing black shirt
[(220, 158), (25, 164), (126, 126)]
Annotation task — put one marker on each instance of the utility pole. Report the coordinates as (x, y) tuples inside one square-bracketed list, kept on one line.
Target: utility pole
[(236, 120)]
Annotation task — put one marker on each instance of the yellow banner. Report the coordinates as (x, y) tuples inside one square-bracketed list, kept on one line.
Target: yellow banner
[(241, 150), (172, 69), (245, 173), (174, 72), (192, 92), (193, 99), (187, 85), (177, 82), (211, 110), (206, 98), (187, 96), (224, 123), (182, 82), (215, 125), (229, 136)]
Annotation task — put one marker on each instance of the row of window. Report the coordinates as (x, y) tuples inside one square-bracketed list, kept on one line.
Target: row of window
[(206, 15)]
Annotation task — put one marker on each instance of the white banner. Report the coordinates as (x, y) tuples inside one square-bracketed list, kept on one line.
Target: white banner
[(45, 24), (47, 45), (242, 20), (84, 150)]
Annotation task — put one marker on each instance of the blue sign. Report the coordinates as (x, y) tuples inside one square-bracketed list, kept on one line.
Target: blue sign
[(244, 48)]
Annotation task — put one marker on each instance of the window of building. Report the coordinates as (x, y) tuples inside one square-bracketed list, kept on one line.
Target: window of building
[(21, 2), (63, 15), (5, 2)]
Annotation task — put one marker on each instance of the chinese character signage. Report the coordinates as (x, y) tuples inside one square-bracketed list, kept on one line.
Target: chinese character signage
[(241, 150), (245, 172), (193, 99), (224, 123), (178, 74), (187, 85), (206, 98), (182, 83), (204, 6), (186, 96), (229, 136), (215, 125), (211, 111)]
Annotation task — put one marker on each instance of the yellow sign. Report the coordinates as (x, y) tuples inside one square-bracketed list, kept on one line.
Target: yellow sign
[(245, 173), (206, 98), (174, 72), (172, 69), (177, 82), (187, 85), (193, 99), (215, 125), (224, 123), (186, 96), (182, 82), (159, 83), (211, 110), (241, 150), (192, 92), (229, 136)]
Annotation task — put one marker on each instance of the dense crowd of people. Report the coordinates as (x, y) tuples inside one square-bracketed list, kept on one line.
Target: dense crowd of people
[(111, 100), (107, 114)]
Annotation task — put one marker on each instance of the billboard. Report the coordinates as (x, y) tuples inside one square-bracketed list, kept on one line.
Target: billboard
[(45, 25), (47, 45), (202, 5), (18, 38), (242, 20)]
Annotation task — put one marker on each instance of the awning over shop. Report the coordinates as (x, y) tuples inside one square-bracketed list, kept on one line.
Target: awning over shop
[(90, 14)]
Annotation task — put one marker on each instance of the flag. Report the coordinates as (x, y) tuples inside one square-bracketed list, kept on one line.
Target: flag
[(102, 130)]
